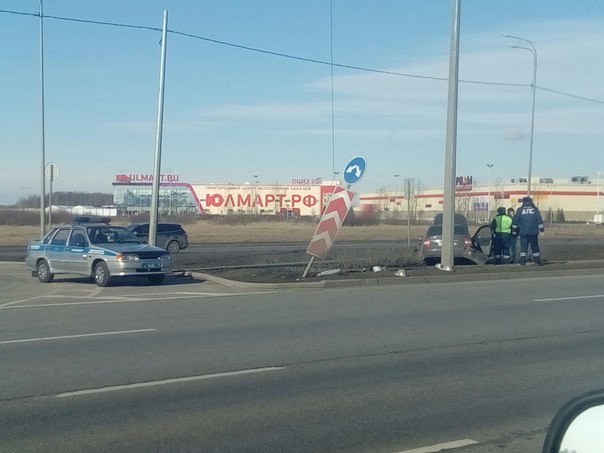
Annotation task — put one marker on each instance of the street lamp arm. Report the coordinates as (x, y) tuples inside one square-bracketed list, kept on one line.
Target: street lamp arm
[(516, 46), (530, 43), (534, 52), (531, 47)]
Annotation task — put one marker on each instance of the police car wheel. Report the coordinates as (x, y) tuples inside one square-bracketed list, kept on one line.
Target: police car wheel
[(44, 274), (102, 277), (173, 247)]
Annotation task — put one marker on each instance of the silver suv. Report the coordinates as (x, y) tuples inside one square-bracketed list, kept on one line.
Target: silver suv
[(97, 250), (170, 236)]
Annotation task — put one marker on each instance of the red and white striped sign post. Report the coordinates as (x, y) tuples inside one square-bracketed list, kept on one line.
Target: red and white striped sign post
[(331, 221)]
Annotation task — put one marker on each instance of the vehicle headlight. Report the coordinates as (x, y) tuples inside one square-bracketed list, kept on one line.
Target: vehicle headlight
[(127, 257)]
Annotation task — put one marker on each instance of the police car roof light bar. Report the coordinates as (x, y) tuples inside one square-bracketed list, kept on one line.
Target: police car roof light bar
[(91, 219)]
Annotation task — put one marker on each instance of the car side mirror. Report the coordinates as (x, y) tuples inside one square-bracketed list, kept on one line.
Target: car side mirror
[(577, 427)]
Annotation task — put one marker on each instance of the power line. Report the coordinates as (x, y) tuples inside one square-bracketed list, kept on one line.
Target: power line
[(299, 58), (84, 21), (576, 96)]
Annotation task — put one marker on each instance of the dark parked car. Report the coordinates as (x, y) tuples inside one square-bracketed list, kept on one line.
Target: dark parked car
[(466, 248), (170, 236)]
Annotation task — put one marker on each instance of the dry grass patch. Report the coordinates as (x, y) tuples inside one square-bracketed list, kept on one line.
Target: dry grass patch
[(17, 235), (207, 232)]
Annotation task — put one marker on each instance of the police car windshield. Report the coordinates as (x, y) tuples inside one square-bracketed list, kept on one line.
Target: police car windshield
[(110, 235)]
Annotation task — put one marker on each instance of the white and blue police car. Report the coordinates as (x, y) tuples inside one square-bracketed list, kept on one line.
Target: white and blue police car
[(93, 248)]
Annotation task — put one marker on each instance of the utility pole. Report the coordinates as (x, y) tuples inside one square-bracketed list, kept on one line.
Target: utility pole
[(158, 138), (43, 140), (489, 195), (447, 252)]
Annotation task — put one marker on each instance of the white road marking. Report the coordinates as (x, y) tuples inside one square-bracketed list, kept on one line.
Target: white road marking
[(443, 446), (83, 335), (595, 296), (124, 299), (63, 304), (136, 385), (8, 304)]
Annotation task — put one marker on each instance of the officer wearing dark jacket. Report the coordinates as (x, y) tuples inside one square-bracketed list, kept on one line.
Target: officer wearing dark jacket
[(501, 226), (513, 240), (528, 223)]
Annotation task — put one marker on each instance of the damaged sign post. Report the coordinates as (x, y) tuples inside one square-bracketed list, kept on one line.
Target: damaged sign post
[(335, 213), (331, 221)]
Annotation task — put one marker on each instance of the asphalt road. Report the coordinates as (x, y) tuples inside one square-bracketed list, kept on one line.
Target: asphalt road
[(192, 366)]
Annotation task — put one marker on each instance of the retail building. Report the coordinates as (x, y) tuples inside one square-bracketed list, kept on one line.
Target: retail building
[(303, 197), (577, 198)]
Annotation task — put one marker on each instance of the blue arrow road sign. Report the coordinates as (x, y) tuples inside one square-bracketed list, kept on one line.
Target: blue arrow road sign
[(355, 170)]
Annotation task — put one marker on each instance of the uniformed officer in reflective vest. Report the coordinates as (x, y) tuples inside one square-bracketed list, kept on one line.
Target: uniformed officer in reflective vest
[(528, 223), (501, 226)]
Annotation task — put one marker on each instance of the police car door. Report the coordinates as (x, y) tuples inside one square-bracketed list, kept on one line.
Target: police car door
[(55, 250), (76, 252)]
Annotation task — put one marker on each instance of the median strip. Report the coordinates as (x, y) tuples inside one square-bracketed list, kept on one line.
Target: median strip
[(116, 388)]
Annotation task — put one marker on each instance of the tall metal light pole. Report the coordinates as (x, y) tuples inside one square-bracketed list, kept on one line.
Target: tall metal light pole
[(447, 251), (489, 196), (396, 176), (598, 219), (153, 215), (255, 202), (531, 49), (42, 132)]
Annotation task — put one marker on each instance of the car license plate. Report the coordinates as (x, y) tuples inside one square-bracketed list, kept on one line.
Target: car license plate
[(151, 265)]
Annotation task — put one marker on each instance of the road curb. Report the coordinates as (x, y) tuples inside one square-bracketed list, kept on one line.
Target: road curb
[(443, 277), (239, 284)]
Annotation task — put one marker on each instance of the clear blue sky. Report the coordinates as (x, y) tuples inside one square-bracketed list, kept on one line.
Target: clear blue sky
[(230, 113)]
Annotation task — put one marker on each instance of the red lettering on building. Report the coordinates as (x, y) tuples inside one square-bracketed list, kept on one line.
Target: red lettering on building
[(214, 200), (244, 201), (463, 183), (230, 201), (239, 200), (143, 178), (122, 178), (309, 200)]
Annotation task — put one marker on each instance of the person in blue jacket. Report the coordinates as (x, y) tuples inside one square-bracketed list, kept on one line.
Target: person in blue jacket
[(528, 223), (513, 240)]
